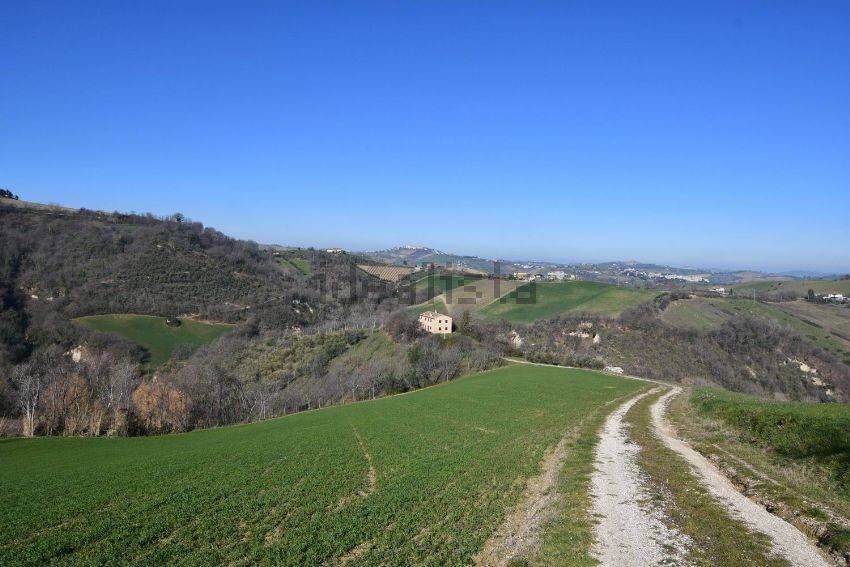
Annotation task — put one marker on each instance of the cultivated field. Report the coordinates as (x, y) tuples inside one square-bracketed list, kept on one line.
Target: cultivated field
[(437, 304), (154, 335), (834, 319), (445, 282), (468, 294), (299, 264), (697, 313), (422, 478), (547, 299)]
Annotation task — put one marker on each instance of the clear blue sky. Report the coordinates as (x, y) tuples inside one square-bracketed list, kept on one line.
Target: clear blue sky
[(712, 134)]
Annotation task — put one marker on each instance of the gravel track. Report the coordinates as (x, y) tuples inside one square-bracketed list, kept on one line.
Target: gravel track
[(631, 530)]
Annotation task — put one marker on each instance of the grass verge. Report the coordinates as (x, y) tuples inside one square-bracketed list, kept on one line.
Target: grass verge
[(567, 539), (805, 491)]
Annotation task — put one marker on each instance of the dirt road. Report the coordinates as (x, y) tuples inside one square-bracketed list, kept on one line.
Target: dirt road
[(631, 530)]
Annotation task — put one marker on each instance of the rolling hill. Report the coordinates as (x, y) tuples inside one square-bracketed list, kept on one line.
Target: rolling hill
[(442, 282), (535, 301), (800, 287), (827, 326), (422, 478), (90, 262)]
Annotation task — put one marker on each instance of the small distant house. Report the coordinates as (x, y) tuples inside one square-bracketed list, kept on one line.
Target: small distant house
[(519, 275), (436, 323), (334, 250), (719, 290)]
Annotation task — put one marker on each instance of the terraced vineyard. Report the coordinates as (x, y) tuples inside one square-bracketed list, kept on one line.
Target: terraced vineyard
[(422, 478), (154, 335), (547, 299)]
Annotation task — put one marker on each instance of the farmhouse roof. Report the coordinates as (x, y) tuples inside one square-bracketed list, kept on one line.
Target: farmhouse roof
[(433, 314)]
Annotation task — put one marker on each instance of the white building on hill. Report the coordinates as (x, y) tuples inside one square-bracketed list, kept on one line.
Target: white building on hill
[(436, 323)]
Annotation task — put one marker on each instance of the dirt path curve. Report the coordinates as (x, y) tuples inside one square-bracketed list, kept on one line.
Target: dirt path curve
[(788, 541), (631, 531)]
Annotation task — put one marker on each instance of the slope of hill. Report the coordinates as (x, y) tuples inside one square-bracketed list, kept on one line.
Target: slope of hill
[(800, 287), (827, 326), (58, 263), (89, 262), (803, 450), (410, 255), (419, 255), (443, 282), (535, 301), (416, 479)]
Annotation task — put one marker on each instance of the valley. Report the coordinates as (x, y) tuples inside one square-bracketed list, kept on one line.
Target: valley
[(327, 284)]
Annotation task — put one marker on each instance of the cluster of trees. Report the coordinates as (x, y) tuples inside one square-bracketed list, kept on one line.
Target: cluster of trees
[(6, 194), (253, 374), (90, 262), (58, 395)]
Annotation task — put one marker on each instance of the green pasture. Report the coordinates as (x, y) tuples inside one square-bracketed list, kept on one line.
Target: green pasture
[(153, 334), (542, 300)]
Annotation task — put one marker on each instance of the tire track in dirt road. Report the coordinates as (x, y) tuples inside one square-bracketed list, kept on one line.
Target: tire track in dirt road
[(788, 541), (630, 529)]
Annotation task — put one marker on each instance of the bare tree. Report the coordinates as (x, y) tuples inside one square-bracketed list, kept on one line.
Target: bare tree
[(29, 383)]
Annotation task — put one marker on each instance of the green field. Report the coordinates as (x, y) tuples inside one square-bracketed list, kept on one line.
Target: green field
[(154, 335), (445, 282), (801, 287), (299, 264), (535, 301), (421, 478), (699, 313)]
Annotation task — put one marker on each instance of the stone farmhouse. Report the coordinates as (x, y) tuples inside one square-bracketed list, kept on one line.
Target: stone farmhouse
[(436, 323)]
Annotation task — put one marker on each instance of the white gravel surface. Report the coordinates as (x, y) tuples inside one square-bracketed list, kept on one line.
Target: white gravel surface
[(630, 529), (788, 541)]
